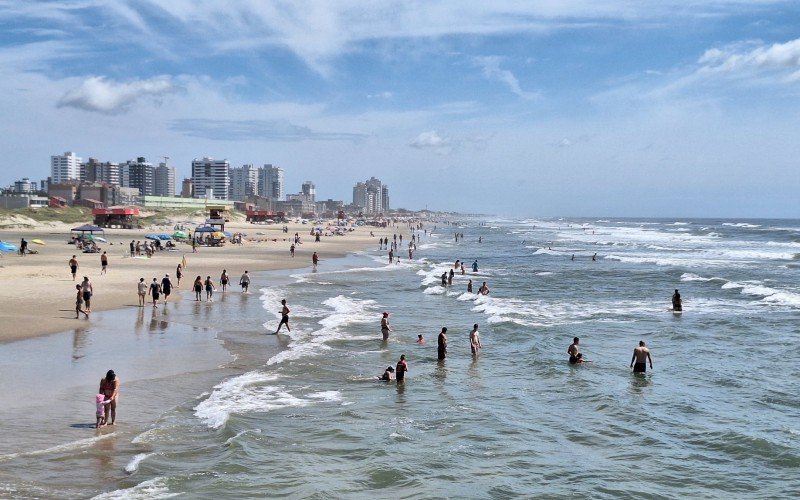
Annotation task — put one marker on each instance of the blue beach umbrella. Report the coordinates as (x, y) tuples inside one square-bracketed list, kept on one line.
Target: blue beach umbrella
[(7, 247)]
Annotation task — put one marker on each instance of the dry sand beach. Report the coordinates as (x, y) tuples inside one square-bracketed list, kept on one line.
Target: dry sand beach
[(37, 291)]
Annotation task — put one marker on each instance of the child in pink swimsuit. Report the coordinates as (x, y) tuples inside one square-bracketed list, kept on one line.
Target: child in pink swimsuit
[(101, 402)]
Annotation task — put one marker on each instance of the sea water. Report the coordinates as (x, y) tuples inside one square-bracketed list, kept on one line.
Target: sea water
[(301, 414)]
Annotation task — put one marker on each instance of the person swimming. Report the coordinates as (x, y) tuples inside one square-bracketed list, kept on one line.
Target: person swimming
[(387, 375)]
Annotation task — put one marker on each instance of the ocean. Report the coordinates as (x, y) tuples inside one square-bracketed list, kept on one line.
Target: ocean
[(213, 405)]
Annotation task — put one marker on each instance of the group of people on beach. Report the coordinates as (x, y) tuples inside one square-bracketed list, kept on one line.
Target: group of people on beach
[(156, 289)]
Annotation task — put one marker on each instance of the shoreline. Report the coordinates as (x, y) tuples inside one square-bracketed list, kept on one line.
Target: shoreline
[(39, 292)]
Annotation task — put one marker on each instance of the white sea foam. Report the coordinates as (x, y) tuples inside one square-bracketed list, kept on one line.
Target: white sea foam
[(133, 465), (152, 489), (768, 294), (695, 277), (435, 290), (741, 224), (233, 439), (246, 392)]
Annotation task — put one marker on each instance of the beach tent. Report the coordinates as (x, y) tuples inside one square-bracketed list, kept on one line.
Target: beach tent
[(205, 229), (87, 228)]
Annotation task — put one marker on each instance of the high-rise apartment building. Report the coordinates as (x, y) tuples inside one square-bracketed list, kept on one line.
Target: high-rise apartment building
[(140, 175), (309, 191), (65, 168), (210, 178), (244, 182), (96, 171), (270, 182), (372, 196), (164, 184)]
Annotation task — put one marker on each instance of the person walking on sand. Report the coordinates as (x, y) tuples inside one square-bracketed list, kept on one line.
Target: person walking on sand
[(315, 260), (442, 344), (641, 355), (401, 369), (23, 247), (291, 250), (223, 280), (166, 287), (109, 387), (103, 263), (178, 275), (198, 288), (141, 289), (209, 284), (244, 281), (284, 317), (79, 303), (73, 267), (573, 350), (155, 291), (475, 340), (385, 328), (88, 291), (133, 248)]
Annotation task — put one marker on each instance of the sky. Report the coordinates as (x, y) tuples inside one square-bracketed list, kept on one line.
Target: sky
[(523, 108)]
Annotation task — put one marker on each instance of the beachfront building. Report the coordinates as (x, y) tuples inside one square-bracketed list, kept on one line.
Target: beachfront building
[(24, 186), (270, 182), (65, 168), (210, 178), (187, 188), (244, 182), (97, 171), (183, 203), (164, 183), (371, 196), (309, 190), (140, 175)]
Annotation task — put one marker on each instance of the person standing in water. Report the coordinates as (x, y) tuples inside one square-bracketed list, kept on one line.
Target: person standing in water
[(315, 260), (677, 303), (109, 387), (155, 291), (79, 303), (641, 355), (223, 280), (469, 286), (401, 369), (442, 344), (385, 328), (244, 281), (475, 340), (484, 289), (573, 350), (284, 317), (475, 266), (88, 291)]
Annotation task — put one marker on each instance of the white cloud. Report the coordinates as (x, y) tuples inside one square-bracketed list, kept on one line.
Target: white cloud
[(492, 71), (380, 95), (433, 141), (740, 57), (102, 95)]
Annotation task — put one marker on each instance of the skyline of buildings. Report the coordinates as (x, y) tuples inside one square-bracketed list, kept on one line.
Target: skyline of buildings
[(73, 179)]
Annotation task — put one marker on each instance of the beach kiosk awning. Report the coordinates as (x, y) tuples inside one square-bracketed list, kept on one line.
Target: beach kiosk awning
[(205, 229)]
